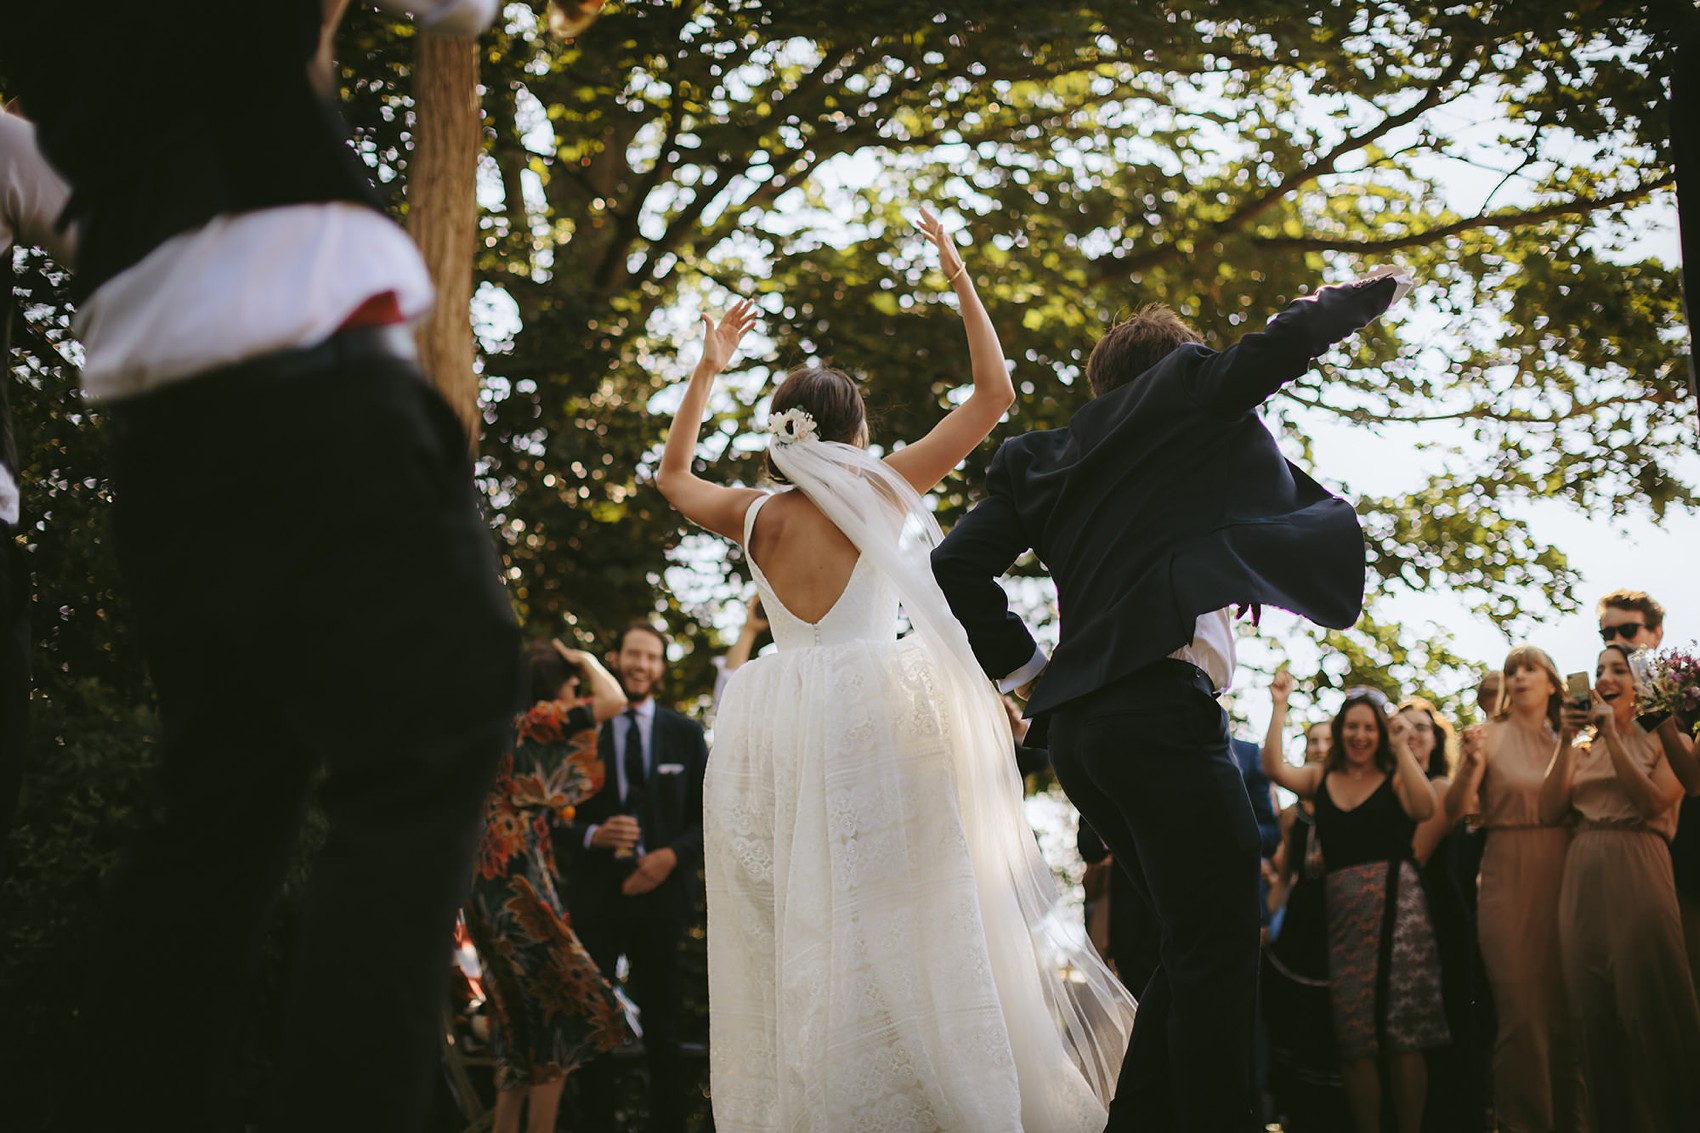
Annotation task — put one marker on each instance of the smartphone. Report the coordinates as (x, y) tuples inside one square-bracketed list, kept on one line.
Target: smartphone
[(1576, 689)]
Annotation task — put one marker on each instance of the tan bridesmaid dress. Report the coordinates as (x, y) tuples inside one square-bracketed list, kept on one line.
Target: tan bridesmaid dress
[(1536, 1078), (1632, 999)]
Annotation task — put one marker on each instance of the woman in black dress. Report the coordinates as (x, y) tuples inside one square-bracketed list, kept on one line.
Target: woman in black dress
[(1383, 966)]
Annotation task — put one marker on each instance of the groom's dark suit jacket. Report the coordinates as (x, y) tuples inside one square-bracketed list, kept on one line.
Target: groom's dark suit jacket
[(672, 818), (1164, 499)]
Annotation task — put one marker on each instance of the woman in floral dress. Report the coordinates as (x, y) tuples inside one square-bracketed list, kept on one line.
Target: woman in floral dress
[(551, 1011)]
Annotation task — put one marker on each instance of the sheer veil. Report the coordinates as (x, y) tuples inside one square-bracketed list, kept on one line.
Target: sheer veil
[(1050, 981)]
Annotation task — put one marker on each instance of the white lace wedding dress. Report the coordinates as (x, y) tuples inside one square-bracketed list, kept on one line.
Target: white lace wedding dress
[(872, 967)]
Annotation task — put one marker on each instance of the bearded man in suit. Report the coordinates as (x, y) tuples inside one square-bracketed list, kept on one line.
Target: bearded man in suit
[(633, 852)]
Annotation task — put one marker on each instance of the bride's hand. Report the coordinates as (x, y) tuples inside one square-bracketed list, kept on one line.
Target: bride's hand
[(950, 260), (720, 339)]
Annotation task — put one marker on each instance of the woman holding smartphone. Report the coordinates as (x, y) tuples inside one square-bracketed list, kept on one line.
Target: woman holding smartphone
[(1636, 1021)]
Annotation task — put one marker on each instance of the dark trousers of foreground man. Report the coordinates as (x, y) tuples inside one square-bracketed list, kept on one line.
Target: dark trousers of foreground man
[(315, 590), (1146, 761)]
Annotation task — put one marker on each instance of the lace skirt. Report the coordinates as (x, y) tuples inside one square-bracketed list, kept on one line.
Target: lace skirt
[(1383, 966), (849, 978)]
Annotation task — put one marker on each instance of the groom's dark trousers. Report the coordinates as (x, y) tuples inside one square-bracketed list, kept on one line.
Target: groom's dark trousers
[(1146, 761)]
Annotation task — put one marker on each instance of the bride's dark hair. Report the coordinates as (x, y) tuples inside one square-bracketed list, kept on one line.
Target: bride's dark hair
[(829, 396)]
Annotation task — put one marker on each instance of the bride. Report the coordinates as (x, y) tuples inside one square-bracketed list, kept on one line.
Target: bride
[(886, 952)]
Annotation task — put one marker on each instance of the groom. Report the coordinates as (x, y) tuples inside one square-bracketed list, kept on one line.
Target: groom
[(1161, 504)]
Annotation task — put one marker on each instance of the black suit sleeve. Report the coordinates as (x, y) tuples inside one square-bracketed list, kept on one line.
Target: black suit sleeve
[(593, 811), (1245, 375), (687, 844), (982, 546)]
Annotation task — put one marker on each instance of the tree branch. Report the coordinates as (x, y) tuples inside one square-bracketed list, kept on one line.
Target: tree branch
[(1325, 164), (1505, 219)]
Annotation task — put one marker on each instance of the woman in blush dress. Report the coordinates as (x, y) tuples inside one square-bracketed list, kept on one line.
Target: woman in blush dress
[(1536, 1082), (1637, 1024)]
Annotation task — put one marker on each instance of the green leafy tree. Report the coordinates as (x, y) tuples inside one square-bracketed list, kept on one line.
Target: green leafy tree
[(1223, 158)]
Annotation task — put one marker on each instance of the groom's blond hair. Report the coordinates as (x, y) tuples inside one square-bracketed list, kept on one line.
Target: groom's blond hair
[(1136, 344)]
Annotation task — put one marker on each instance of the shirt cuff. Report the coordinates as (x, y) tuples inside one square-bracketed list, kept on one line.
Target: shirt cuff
[(9, 497), (455, 17), (1027, 672), (589, 833)]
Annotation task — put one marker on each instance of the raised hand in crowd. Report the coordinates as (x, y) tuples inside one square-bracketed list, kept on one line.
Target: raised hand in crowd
[(1416, 793), (607, 698)]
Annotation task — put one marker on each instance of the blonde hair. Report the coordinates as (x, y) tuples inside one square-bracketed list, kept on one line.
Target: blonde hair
[(1529, 657), (1440, 758)]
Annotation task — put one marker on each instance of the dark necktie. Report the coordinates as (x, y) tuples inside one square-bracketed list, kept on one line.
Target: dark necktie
[(637, 778)]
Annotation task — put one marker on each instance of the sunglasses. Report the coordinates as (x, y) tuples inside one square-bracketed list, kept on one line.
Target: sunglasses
[(1625, 630)]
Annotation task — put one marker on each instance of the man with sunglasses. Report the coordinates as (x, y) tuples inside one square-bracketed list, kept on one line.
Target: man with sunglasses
[(1632, 617)]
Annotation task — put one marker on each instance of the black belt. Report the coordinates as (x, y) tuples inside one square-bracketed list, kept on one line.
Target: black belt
[(393, 343)]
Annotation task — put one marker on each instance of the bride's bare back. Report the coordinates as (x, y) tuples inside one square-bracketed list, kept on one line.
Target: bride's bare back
[(806, 560)]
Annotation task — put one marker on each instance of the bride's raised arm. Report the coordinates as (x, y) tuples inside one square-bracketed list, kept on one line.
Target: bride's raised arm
[(714, 506), (927, 461)]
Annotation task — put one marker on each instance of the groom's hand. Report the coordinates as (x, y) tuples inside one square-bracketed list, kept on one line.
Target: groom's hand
[(652, 869)]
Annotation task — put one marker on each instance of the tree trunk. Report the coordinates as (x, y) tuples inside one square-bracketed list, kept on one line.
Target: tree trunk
[(442, 212)]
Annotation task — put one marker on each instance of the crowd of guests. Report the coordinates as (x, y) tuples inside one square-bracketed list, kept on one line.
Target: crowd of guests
[(1487, 928), (1491, 929)]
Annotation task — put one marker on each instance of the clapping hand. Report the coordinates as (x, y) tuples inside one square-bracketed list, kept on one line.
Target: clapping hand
[(1281, 687), (720, 339), (1399, 733), (1474, 749), (950, 260)]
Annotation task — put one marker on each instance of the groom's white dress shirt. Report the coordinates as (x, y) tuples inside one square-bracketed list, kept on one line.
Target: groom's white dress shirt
[(203, 300), (1211, 649)]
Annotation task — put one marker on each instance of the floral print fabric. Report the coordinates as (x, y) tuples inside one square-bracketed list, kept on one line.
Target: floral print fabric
[(551, 1011)]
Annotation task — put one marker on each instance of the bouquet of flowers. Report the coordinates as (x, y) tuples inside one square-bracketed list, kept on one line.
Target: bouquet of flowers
[(1669, 685)]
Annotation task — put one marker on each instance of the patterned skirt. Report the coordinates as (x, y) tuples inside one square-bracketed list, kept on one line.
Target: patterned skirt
[(550, 1009), (1383, 965)]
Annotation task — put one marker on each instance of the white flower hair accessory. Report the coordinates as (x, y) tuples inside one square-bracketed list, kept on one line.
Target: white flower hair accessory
[(791, 426)]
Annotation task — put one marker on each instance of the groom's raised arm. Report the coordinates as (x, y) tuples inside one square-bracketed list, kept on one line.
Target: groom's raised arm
[(1245, 375), (982, 547)]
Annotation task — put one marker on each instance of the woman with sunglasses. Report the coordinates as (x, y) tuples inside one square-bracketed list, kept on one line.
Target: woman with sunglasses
[(1536, 1086), (1636, 1020)]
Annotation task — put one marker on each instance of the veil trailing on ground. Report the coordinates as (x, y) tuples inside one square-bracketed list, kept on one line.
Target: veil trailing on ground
[(1075, 997)]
